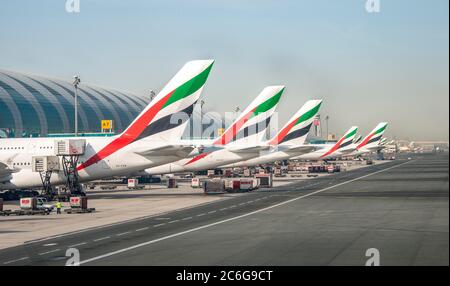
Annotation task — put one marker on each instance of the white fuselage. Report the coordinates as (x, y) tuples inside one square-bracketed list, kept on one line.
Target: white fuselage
[(263, 159), (362, 151), (318, 154), (17, 154), (205, 161), (267, 157)]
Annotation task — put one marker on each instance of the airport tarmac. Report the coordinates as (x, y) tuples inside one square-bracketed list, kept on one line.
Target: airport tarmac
[(116, 206), (112, 206), (399, 208)]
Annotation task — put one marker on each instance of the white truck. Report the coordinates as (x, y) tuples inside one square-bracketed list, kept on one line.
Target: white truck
[(42, 204)]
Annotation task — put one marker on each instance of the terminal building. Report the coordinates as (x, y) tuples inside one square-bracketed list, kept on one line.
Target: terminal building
[(38, 106)]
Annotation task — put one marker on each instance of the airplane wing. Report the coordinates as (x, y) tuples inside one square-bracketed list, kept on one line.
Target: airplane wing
[(251, 149), (347, 150), (181, 151), (376, 148), (318, 146), (298, 150), (5, 172)]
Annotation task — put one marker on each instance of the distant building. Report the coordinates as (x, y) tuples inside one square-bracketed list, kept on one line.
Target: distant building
[(36, 106)]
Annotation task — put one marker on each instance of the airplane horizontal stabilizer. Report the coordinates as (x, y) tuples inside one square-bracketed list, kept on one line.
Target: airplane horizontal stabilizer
[(252, 149), (299, 150), (181, 151)]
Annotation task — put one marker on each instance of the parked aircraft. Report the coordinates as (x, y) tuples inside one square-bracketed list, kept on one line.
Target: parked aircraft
[(370, 143), (328, 151), (241, 141), (152, 139), (289, 141)]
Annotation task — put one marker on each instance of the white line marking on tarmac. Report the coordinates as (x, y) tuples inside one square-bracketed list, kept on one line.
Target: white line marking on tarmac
[(15, 260), (119, 223), (211, 212), (141, 229), (102, 238), (187, 218), (176, 220), (223, 209), (234, 218), (123, 233), (202, 214), (50, 244), (78, 244), (156, 225), (51, 251)]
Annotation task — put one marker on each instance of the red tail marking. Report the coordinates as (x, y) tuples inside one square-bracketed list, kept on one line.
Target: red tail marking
[(129, 135), (232, 131), (280, 136), (365, 140)]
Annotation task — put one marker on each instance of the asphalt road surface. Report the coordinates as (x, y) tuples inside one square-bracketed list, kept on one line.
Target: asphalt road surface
[(400, 208)]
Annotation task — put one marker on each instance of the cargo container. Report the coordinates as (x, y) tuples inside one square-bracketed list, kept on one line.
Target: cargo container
[(195, 182), (265, 180), (331, 169), (172, 183), (214, 186), (79, 202), (79, 205), (133, 183), (233, 185), (28, 203), (247, 185), (280, 171)]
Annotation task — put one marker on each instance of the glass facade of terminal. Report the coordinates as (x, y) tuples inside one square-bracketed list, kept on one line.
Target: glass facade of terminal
[(37, 106)]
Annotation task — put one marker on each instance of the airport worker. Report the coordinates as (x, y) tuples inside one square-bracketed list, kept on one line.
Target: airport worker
[(58, 207)]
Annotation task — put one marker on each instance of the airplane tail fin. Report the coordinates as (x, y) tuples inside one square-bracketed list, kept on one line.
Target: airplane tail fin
[(344, 142), (357, 139), (295, 131), (167, 115), (374, 137), (252, 123)]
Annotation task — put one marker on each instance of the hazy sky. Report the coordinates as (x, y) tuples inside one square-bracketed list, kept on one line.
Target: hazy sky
[(368, 67)]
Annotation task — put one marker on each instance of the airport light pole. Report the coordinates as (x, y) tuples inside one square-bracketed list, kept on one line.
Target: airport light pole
[(326, 120), (152, 94), (76, 81)]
